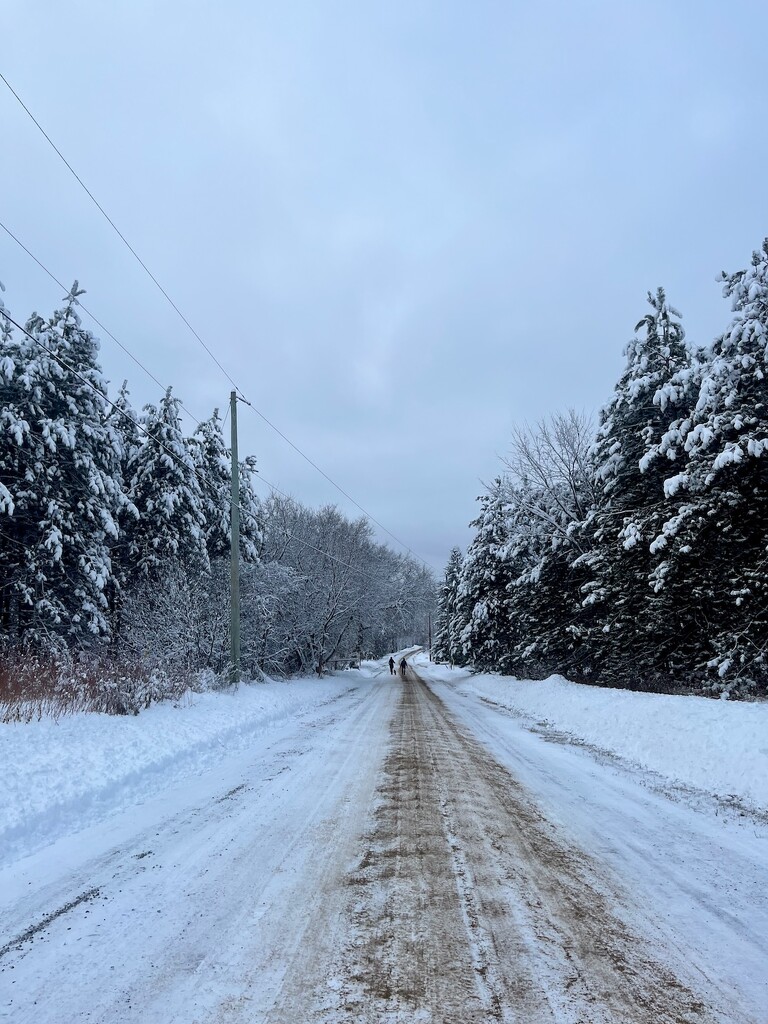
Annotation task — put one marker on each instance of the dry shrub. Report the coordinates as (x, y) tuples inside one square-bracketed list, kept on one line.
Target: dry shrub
[(33, 686)]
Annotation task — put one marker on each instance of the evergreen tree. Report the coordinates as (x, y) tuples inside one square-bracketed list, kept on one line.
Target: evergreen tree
[(627, 632), (14, 433), (214, 472), (124, 421), (714, 544), (547, 622), (162, 483), (251, 513), (448, 622), (61, 458), (483, 585), (550, 495), (213, 463)]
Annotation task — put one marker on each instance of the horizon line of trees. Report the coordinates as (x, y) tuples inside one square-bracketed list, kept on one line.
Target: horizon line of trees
[(114, 533), (636, 556)]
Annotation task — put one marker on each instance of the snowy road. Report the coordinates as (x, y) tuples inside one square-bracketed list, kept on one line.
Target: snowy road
[(404, 853)]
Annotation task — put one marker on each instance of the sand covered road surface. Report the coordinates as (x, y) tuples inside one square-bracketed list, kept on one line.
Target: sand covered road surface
[(467, 904), (399, 854)]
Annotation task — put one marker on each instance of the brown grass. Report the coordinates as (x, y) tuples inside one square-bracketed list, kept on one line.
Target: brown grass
[(33, 687)]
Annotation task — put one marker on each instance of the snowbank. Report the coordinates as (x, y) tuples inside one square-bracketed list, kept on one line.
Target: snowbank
[(715, 745), (61, 776)]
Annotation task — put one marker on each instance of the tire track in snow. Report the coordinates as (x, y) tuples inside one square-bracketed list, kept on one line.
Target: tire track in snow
[(211, 899), (468, 905)]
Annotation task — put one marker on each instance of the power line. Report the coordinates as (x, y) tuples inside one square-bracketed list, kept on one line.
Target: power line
[(198, 422), (338, 488), (157, 283), (285, 494), (127, 351), (114, 226), (63, 287), (122, 412)]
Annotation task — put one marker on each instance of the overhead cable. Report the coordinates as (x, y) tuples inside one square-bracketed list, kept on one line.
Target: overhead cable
[(63, 363), (114, 226), (160, 287)]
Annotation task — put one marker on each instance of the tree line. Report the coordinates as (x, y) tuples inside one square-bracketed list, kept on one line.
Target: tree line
[(114, 532), (634, 555)]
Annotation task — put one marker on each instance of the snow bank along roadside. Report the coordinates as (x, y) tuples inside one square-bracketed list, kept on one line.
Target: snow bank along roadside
[(715, 745), (61, 776)]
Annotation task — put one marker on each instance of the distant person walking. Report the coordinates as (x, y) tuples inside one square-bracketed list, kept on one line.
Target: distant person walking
[(391, 666), (403, 667)]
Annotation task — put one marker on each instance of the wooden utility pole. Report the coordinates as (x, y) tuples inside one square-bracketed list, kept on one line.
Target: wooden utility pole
[(429, 621), (234, 548)]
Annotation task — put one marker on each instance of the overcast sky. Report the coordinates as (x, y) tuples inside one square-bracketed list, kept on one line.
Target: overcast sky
[(401, 226)]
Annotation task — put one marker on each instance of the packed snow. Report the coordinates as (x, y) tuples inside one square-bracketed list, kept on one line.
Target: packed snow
[(718, 746), (62, 776), (240, 847)]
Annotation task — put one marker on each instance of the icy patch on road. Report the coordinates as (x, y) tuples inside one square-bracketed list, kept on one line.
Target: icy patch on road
[(62, 776), (720, 747)]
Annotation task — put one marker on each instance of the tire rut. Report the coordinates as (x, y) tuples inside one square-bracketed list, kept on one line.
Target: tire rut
[(468, 905)]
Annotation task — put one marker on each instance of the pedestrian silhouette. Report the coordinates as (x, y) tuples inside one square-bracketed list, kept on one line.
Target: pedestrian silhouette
[(391, 666)]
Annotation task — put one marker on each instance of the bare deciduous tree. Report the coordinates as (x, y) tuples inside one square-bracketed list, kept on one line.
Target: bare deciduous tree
[(551, 472)]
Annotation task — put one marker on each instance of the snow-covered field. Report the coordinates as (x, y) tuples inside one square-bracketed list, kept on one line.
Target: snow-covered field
[(357, 849)]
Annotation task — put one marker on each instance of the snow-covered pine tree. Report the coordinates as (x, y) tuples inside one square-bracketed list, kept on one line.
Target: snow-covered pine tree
[(485, 577), (162, 483), (214, 471), (551, 492), (124, 421), (625, 637), (251, 513), (446, 645), (714, 549), (64, 461), (13, 525), (213, 462), (545, 617), (169, 569)]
